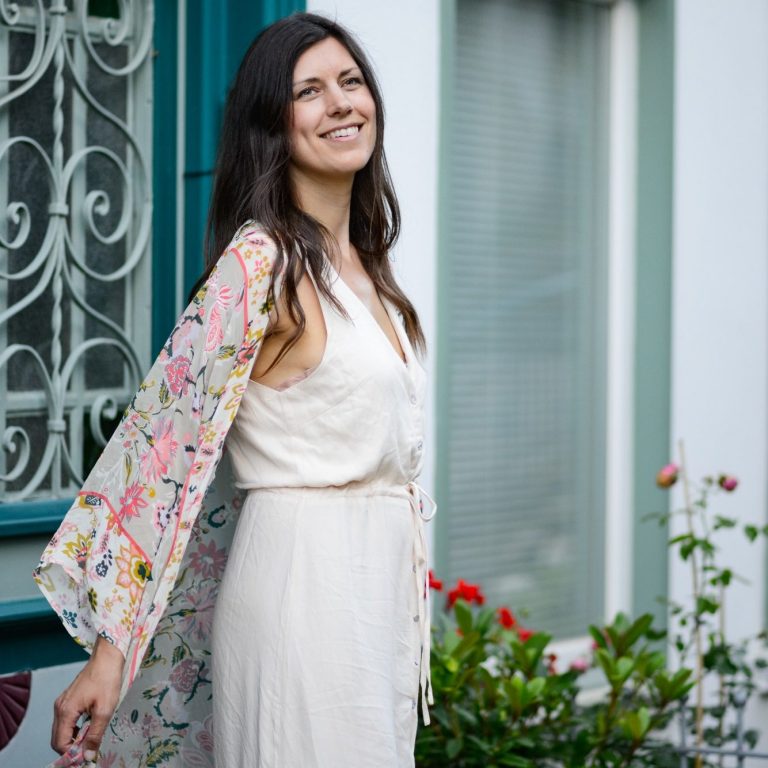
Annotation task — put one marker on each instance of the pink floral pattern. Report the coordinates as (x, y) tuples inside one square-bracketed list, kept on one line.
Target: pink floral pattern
[(208, 561), (177, 372), (161, 450), (140, 553), (132, 502)]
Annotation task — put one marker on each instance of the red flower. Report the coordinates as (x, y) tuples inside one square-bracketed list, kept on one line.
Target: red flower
[(434, 583), (524, 634), (468, 592), (506, 618), (551, 659), (727, 482)]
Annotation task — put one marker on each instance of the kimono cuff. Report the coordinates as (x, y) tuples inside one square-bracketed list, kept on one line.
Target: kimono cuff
[(93, 574)]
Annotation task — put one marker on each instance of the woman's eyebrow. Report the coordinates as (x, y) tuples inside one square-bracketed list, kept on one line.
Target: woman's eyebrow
[(317, 79)]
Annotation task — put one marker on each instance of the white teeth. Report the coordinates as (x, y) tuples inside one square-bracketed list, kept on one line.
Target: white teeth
[(339, 132)]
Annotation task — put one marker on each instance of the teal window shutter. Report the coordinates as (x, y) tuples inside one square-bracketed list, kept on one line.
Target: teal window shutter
[(524, 308), (219, 34)]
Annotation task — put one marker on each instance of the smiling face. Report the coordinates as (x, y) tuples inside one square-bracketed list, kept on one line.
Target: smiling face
[(332, 130)]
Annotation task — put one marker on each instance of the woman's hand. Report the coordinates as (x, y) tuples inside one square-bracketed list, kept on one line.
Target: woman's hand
[(95, 690)]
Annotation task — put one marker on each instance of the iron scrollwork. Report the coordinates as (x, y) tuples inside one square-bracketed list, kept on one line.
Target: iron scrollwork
[(74, 59)]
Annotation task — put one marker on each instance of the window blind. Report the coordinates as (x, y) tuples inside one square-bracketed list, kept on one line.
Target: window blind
[(523, 376)]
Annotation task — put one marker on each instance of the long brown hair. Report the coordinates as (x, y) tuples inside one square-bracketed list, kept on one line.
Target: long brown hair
[(251, 179)]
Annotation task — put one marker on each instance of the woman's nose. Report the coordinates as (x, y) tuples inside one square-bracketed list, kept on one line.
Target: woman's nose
[(339, 103)]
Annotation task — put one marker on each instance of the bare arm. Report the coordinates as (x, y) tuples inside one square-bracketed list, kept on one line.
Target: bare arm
[(95, 690)]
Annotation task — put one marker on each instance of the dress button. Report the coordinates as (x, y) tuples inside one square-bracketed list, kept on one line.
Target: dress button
[(413, 399), (419, 445), (413, 567), (416, 617), (413, 703)]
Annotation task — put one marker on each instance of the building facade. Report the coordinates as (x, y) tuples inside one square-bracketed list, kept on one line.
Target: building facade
[(584, 189)]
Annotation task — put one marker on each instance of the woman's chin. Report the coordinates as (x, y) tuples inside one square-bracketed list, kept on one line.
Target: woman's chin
[(338, 171)]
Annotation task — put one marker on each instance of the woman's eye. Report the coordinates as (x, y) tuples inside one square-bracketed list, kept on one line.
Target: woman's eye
[(353, 81), (305, 91)]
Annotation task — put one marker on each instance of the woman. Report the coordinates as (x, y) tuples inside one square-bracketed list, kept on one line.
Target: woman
[(321, 625)]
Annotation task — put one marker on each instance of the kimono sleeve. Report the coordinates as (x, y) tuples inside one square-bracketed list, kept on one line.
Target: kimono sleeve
[(99, 567)]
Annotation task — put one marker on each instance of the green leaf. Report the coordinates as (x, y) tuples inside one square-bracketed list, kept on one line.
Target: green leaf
[(466, 646), (613, 634), (453, 747), (752, 736), (463, 616), (706, 604), (128, 465), (450, 640), (648, 663), (515, 762), (621, 622), (163, 393), (637, 630), (598, 636), (751, 532), (687, 549), (484, 746), (535, 687), (179, 653), (516, 693), (636, 724), (706, 546), (162, 752), (605, 660), (624, 667), (538, 641), (680, 683), (466, 715), (722, 577)]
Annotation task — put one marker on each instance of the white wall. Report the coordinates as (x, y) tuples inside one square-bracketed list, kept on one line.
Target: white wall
[(402, 40), (720, 280)]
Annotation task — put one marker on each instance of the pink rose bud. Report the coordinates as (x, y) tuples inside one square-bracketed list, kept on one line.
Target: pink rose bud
[(727, 482), (579, 665), (667, 476)]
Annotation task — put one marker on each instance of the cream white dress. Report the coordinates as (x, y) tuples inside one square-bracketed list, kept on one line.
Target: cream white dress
[(321, 626)]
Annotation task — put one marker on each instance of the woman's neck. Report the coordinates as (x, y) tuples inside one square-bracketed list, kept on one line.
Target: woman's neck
[(328, 201)]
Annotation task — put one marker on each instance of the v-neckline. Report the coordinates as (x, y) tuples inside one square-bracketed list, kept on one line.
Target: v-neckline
[(405, 363)]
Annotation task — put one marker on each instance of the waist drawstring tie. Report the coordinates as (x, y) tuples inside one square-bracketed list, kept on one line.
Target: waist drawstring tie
[(420, 568)]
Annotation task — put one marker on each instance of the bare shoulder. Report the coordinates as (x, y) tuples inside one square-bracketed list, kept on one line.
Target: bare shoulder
[(305, 351), (280, 318)]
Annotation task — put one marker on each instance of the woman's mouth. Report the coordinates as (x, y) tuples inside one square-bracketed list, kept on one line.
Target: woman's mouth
[(342, 134)]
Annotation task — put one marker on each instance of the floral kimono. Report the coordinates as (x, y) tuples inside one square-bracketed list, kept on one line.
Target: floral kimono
[(139, 555)]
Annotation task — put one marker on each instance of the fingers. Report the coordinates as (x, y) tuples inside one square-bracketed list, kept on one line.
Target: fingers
[(65, 717), (100, 717), (65, 730)]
